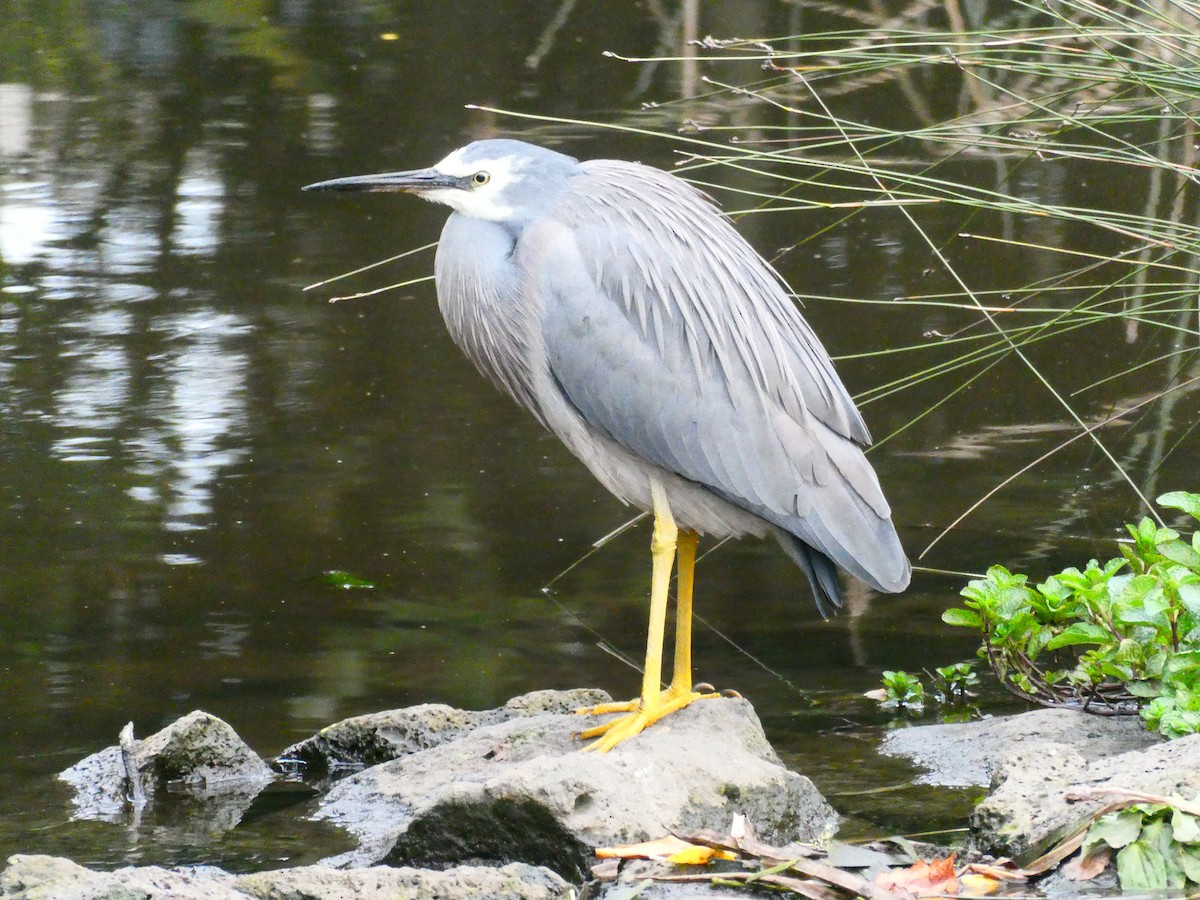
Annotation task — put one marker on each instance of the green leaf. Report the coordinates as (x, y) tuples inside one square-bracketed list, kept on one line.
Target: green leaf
[(1157, 834), (1141, 867), (1147, 690), (1189, 503), (968, 618), (1189, 860), (1184, 828), (1118, 829), (1184, 664), (1179, 552), (1080, 633), (344, 580), (1189, 596)]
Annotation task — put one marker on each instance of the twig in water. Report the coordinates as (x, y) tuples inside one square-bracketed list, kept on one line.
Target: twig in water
[(137, 793)]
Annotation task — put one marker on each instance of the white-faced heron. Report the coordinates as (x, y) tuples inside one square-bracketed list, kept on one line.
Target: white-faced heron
[(615, 303)]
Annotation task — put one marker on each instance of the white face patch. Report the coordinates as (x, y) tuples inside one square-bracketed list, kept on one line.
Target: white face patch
[(479, 201)]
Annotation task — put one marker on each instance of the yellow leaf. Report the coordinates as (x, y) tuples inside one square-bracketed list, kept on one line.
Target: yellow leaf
[(698, 856), (661, 848), (974, 883)]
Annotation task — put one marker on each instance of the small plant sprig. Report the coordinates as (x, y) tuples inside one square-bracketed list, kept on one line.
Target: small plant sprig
[(954, 683), (951, 686), (902, 690), (1121, 637)]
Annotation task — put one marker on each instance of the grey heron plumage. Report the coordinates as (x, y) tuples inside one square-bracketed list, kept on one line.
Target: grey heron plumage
[(615, 303)]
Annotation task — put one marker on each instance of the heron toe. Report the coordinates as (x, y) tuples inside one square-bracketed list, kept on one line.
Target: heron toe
[(639, 716)]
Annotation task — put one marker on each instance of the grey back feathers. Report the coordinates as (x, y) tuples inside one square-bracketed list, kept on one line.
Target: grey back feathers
[(629, 316)]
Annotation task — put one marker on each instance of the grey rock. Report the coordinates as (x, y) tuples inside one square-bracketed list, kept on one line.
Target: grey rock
[(635, 873), (521, 789), (374, 738), (43, 877), (199, 752), (961, 755), (515, 881), (46, 877), (1028, 810)]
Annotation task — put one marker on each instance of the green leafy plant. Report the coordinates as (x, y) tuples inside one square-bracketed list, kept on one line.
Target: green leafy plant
[(951, 686), (1157, 845), (953, 683), (903, 690), (1120, 637)]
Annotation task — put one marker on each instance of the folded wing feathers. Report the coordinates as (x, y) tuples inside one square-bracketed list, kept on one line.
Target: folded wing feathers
[(712, 308)]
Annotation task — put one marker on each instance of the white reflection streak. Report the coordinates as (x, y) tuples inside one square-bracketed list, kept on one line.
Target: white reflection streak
[(203, 416), (27, 218), (198, 209), (90, 404)]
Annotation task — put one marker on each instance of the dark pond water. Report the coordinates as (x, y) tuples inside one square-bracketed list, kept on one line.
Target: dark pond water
[(189, 441)]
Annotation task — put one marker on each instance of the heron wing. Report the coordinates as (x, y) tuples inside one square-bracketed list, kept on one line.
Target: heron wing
[(670, 335)]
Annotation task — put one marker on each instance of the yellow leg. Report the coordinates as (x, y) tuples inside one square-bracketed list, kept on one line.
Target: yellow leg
[(681, 673), (656, 703), (680, 693)]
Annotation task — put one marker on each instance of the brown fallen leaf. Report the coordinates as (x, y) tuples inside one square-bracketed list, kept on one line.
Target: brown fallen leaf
[(922, 879), (1085, 868)]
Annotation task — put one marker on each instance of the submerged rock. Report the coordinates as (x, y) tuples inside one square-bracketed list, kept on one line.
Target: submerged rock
[(1036, 763), (520, 789), (374, 738), (30, 877), (968, 753), (198, 752)]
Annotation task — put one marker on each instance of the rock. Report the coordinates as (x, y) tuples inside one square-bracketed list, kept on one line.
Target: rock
[(635, 873), (520, 789), (30, 877), (960, 755), (38, 877), (199, 751), (515, 881), (1027, 811), (374, 738)]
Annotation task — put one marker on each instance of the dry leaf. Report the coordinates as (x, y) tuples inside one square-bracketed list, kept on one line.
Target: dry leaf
[(696, 855), (922, 879), (1004, 870), (974, 883), (668, 848), (656, 849), (1085, 868)]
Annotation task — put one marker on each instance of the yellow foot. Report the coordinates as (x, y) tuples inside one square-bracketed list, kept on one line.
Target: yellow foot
[(638, 718)]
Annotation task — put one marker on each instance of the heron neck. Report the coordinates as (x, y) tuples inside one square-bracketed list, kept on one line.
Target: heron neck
[(478, 288)]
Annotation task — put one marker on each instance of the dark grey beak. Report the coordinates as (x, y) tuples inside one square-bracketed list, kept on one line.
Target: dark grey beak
[(414, 182)]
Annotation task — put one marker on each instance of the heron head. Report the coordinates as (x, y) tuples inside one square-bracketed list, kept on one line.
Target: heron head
[(498, 180)]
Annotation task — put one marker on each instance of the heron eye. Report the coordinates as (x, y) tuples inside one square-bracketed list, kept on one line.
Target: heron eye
[(479, 179)]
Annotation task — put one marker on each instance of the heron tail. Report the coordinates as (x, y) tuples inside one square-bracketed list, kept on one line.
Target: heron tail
[(822, 573)]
